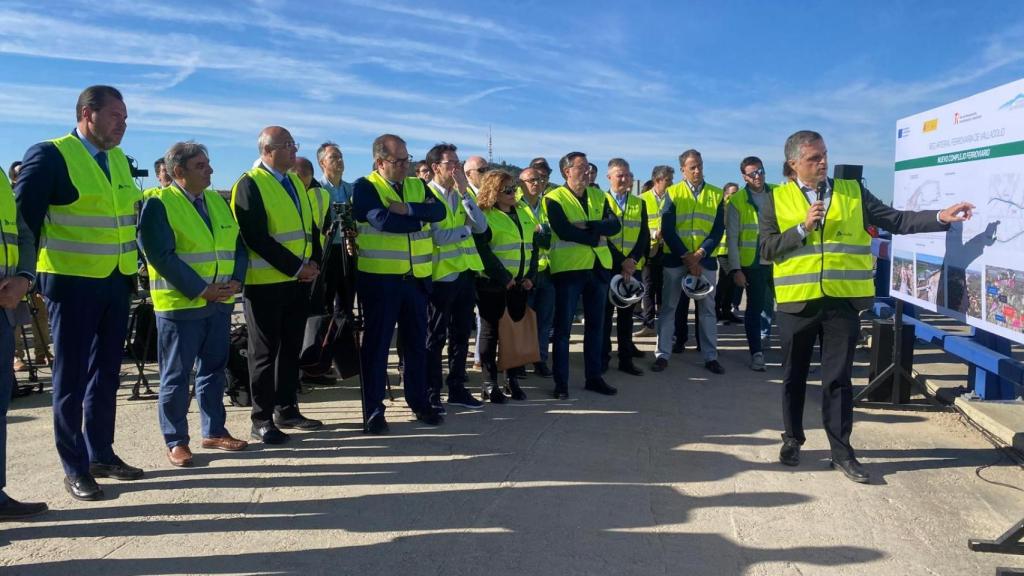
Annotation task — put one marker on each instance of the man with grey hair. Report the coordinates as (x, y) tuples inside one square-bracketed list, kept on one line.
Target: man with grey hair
[(812, 229), (533, 183), (339, 289), (654, 200), (277, 222), (394, 213), (197, 264)]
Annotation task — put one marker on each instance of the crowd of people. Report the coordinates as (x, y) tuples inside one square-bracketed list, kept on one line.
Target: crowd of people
[(440, 245)]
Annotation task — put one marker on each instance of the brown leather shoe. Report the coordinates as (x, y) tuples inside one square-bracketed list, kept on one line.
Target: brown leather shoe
[(225, 442), (180, 456)]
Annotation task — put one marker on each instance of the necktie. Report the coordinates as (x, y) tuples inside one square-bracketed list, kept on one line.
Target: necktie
[(101, 159), (286, 182), (201, 208)]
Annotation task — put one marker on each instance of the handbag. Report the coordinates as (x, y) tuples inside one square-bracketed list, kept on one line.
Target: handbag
[(517, 335)]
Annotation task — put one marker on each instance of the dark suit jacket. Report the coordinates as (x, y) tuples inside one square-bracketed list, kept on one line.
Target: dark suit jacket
[(776, 243), (252, 227), (44, 181)]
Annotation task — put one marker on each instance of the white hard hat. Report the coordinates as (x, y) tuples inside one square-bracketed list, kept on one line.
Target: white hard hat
[(624, 293), (696, 287)]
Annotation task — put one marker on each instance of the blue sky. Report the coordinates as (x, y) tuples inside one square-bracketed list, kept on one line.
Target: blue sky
[(640, 80)]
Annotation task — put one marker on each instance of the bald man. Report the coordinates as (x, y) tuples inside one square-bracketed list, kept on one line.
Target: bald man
[(475, 167), (278, 223)]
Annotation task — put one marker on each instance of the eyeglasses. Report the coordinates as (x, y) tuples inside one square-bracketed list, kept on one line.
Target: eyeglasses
[(292, 145), (754, 173), (535, 181), (508, 190), (397, 161), (483, 170)]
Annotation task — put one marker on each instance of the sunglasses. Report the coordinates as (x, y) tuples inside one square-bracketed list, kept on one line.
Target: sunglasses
[(754, 173), (511, 190)]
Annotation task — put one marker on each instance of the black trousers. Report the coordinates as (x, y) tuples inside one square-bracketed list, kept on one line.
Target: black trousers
[(449, 320), (838, 324), (651, 276), (623, 333), (724, 290), (491, 304), (339, 287), (276, 316)]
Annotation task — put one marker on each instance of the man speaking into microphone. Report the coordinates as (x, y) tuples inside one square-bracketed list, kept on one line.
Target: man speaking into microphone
[(813, 230)]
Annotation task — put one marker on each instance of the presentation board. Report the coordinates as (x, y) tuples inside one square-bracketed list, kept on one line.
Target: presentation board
[(969, 150)]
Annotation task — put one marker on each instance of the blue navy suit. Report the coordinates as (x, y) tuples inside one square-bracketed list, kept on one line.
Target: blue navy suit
[(88, 320), (390, 299)]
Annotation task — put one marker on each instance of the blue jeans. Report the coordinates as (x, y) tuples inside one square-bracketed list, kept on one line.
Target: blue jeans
[(6, 385), (569, 287), (757, 318), (181, 345), (542, 301)]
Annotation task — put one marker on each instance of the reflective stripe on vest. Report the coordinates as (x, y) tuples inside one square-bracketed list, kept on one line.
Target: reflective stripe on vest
[(95, 234), (454, 257), (389, 252), (288, 226), (566, 255), (320, 200), (513, 249), (694, 216), (749, 223), (540, 216), (631, 220), (655, 206), (210, 253), (8, 228), (835, 260)]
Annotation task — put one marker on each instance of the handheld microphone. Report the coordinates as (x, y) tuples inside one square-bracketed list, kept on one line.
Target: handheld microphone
[(821, 198)]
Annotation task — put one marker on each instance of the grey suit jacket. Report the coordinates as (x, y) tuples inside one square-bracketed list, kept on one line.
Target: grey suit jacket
[(776, 243)]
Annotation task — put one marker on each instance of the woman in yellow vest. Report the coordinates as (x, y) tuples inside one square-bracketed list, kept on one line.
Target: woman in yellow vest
[(510, 266), (812, 229), (197, 263), (580, 263)]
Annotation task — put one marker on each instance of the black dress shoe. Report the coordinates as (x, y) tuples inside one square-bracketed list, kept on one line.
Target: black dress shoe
[(789, 454), (430, 417), (630, 368), (268, 434), (377, 424), (560, 395), (117, 470), (541, 369), (514, 391), (659, 365), (853, 470), (83, 488), (714, 367), (299, 422), (601, 387), (14, 510), (494, 394)]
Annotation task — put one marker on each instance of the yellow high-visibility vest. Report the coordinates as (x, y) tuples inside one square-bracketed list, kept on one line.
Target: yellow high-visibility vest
[(749, 223), (566, 256), (290, 227), (513, 248), (461, 255), (8, 228), (835, 260), (391, 253), (95, 234), (211, 253), (695, 217), (630, 219), (654, 208)]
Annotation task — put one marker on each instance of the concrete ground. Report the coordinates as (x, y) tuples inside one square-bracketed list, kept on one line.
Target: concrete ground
[(678, 474)]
